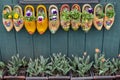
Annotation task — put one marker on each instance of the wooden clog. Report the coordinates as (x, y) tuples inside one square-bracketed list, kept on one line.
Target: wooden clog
[(29, 14), (42, 19), (65, 17), (75, 17), (109, 16), (7, 18), (54, 20), (98, 16), (87, 17), (18, 18)]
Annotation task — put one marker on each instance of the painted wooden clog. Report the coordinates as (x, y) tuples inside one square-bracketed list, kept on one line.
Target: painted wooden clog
[(98, 16), (87, 17), (29, 14), (42, 19), (75, 17), (18, 18), (7, 18), (65, 17), (109, 16), (54, 20)]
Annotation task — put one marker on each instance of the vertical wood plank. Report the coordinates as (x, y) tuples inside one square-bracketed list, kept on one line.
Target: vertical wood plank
[(0, 25), (0, 55), (76, 42), (111, 37), (93, 41), (118, 4), (7, 39), (59, 42), (42, 44), (24, 41), (25, 44)]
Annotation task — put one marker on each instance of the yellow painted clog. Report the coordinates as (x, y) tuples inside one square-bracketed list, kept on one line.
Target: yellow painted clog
[(7, 18), (87, 17), (18, 18), (54, 21), (30, 19), (42, 19), (109, 16)]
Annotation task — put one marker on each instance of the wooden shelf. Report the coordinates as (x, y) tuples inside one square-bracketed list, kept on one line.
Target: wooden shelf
[(56, 1)]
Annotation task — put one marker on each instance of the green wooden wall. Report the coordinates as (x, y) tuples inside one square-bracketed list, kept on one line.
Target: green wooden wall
[(65, 42)]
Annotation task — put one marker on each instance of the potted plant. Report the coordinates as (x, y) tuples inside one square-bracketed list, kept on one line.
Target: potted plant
[(65, 17), (116, 64), (7, 17), (109, 16), (38, 69), (30, 19), (2, 66), (87, 17), (103, 68), (81, 67), (75, 15), (98, 17), (60, 67), (13, 69)]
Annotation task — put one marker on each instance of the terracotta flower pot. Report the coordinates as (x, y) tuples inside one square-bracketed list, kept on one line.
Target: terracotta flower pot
[(59, 77), (36, 78), (117, 77), (87, 76), (20, 75), (104, 77), (82, 78)]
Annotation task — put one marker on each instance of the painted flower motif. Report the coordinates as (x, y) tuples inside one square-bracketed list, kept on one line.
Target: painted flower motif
[(40, 18), (108, 22), (90, 10), (7, 23), (16, 16), (19, 22), (16, 24), (99, 23), (28, 13), (54, 11)]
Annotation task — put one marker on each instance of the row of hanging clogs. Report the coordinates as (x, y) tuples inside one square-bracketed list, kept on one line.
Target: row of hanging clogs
[(74, 17)]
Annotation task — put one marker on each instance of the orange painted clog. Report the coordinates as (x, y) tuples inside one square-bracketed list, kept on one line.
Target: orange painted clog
[(30, 19), (42, 19)]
